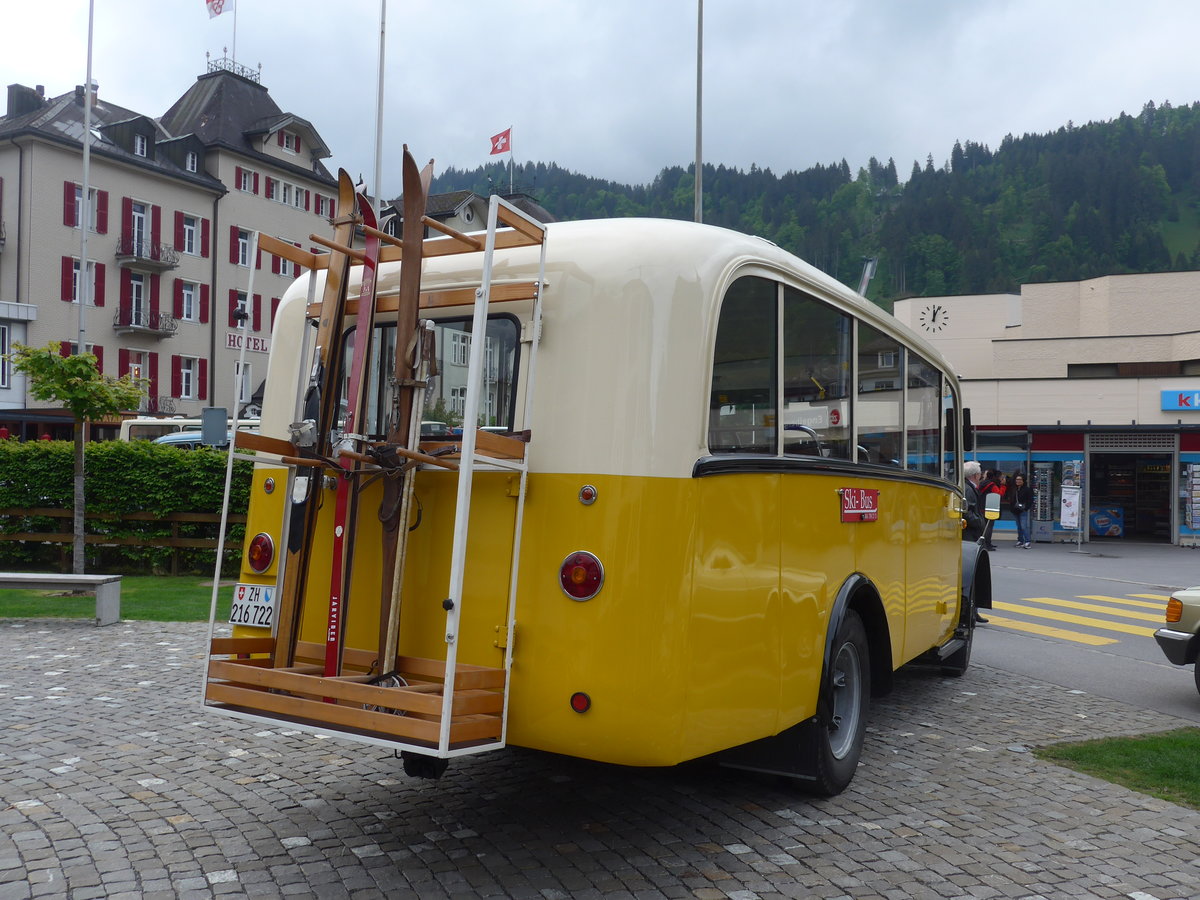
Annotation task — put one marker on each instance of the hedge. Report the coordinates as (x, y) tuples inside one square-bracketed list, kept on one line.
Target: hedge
[(122, 477)]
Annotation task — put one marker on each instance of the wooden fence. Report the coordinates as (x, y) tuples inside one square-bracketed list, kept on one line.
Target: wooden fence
[(65, 535)]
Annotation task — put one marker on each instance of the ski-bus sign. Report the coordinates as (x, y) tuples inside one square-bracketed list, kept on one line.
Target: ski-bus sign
[(859, 504)]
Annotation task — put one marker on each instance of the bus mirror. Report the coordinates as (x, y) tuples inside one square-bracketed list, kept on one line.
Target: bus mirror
[(968, 433), (951, 430), (991, 506)]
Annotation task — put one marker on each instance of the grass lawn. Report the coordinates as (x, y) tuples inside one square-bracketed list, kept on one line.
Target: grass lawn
[(152, 598), (1162, 765)]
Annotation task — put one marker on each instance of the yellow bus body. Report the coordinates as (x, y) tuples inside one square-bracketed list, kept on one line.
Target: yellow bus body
[(711, 628)]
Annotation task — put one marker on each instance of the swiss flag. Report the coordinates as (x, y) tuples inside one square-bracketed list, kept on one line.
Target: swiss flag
[(502, 142)]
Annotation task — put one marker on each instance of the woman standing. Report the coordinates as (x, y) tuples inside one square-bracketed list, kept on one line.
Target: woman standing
[(1021, 500)]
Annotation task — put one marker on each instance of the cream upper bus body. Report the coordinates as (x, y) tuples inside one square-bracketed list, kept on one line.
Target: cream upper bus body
[(625, 361)]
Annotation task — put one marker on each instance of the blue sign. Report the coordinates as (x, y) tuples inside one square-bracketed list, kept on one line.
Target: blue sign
[(1186, 400)]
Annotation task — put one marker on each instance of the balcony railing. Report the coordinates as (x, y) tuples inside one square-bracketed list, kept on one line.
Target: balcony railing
[(130, 319), (154, 257)]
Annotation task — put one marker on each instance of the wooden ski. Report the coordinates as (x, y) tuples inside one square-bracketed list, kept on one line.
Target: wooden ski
[(405, 421), (346, 503), (312, 434)]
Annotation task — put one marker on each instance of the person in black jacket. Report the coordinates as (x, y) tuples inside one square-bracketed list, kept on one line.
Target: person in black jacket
[(973, 521), (1020, 498)]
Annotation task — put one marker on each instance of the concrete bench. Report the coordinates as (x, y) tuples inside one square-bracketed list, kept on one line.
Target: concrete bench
[(106, 587)]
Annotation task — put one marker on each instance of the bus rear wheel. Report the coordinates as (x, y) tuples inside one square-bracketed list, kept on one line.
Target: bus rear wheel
[(842, 724)]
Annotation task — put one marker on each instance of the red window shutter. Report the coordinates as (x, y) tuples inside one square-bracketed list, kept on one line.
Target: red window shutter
[(155, 229), (177, 299), (153, 379), (69, 204), (126, 301), (99, 296), (176, 376), (275, 262), (101, 212), (274, 310), (204, 304), (307, 199), (154, 309), (64, 348), (256, 183), (68, 275), (179, 231), (233, 306), (257, 258), (237, 177), (122, 362), (99, 351), (256, 318), (127, 218), (202, 381), (233, 244), (279, 135), (204, 238), (270, 195)]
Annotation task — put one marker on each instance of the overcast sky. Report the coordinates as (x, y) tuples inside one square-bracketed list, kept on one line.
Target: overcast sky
[(607, 87)]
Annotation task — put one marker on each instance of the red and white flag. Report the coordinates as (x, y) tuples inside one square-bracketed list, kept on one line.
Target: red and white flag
[(216, 7), (502, 142)]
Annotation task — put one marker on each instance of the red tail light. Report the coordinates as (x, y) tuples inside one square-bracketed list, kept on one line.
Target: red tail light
[(581, 575), (261, 552)]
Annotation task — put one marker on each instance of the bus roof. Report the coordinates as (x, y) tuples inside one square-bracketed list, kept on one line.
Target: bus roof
[(629, 313)]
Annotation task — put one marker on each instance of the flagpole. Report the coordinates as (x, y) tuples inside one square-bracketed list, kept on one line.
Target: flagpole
[(378, 186), (235, 9), (510, 161), (699, 213), (83, 292)]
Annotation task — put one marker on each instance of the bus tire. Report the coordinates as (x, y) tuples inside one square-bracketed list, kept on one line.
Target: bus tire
[(842, 720)]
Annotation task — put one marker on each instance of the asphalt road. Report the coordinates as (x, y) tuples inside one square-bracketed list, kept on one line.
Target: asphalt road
[(1083, 620)]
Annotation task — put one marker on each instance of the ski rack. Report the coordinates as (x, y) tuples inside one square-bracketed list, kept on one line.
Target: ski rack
[(447, 708)]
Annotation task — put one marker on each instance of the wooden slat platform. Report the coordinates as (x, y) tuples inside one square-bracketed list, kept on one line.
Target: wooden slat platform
[(242, 675)]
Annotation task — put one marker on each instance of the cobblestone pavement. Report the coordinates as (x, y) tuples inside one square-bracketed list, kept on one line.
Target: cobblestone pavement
[(116, 784)]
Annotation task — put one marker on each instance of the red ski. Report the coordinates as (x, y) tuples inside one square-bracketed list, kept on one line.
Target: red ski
[(346, 505)]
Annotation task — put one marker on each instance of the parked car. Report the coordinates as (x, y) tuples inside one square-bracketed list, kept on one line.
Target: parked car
[(1180, 638), (189, 440), (435, 431)]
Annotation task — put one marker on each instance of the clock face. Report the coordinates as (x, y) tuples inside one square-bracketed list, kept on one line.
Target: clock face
[(934, 318)]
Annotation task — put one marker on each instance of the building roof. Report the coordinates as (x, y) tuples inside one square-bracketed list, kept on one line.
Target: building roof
[(60, 119), (226, 109)]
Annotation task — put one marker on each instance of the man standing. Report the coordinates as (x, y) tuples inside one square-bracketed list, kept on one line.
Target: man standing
[(973, 521)]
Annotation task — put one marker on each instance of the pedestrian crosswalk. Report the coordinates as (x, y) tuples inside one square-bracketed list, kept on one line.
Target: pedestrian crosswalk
[(1092, 619)]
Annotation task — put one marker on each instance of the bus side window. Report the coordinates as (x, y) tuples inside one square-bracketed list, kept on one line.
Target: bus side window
[(742, 405), (816, 360), (922, 417), (880, 395)]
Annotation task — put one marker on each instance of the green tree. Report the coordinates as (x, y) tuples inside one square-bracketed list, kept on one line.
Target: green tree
[(76, 382)]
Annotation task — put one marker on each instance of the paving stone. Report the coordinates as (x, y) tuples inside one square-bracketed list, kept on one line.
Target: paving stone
[(122, 778)]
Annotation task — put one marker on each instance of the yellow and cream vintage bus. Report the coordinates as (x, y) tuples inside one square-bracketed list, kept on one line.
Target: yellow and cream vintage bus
[(712, 501)]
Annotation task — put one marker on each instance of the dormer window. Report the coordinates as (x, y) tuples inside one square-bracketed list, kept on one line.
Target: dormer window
[(139, 145), (191, 161), (289, 141)]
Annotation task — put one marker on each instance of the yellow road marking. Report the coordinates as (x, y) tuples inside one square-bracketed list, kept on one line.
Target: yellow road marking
[(1046, 631), (1074, 620), (1104, 598), (1092, 607), (1163, 597)]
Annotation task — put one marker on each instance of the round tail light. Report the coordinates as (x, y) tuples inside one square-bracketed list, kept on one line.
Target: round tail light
[(261, 552), (581, 575)]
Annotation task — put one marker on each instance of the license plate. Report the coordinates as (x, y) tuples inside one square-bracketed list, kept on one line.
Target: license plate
[(253, 605)]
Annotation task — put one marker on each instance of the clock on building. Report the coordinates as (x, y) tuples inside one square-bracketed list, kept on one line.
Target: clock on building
[(934, 318)]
